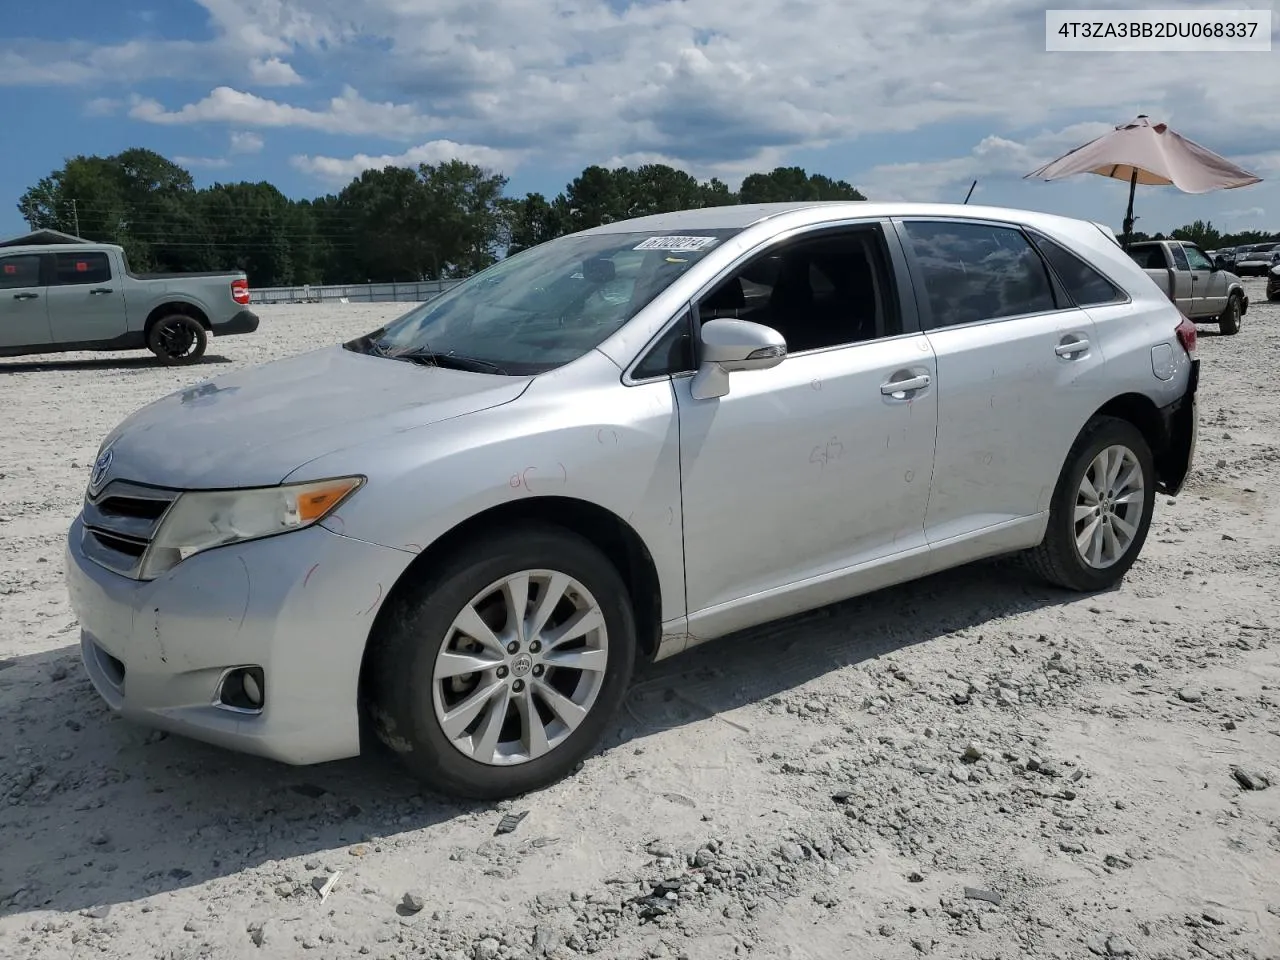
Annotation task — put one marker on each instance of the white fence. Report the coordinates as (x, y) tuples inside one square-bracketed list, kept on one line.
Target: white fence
[(412, 292)]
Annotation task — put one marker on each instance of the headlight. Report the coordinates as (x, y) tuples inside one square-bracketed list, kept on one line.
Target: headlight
[(204, 519)]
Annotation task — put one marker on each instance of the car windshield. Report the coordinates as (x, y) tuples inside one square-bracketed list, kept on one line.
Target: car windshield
[(542, 307)]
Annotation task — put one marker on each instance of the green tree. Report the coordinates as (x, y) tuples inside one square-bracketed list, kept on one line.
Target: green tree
[(794, 184), (1200, 233)]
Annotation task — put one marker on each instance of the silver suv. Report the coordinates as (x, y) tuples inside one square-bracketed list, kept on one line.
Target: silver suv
[(464, 529)]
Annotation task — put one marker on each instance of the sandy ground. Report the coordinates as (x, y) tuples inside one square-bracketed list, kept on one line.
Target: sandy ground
[(971, 766)]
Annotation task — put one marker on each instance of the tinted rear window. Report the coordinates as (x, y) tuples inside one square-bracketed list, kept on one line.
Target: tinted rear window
[(1084, 285)]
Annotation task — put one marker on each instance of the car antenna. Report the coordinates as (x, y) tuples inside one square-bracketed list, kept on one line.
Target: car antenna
[(970, 193)]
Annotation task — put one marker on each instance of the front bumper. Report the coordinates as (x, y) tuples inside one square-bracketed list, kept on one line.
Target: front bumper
[(298, 605), (246, 321)]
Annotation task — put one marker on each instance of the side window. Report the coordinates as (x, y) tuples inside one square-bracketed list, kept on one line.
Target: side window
[(1085, 285), (1197, 259), (19, 271), (822, 291), (71, 268), (977, 271), (1149, 257), (1180, 261), (672, 354)]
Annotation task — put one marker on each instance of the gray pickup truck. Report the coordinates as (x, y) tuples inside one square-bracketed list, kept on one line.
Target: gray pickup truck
[(1202, 290), (56, 297)]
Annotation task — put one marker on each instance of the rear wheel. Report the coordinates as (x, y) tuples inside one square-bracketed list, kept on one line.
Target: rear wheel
[(501, 671), (1101, 508), (1229, 322), (177, 339)]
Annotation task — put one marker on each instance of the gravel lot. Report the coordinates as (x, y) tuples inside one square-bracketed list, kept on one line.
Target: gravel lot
[(971, 766)]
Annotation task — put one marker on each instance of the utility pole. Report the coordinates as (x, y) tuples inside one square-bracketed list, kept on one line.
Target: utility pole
[(75, 216)]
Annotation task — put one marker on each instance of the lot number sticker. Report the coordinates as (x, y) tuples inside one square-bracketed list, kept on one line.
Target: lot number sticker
[(682, 244)]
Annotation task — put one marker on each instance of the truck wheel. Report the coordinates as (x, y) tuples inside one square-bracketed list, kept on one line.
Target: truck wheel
[(500, 670), (177, 339), (1229, 322), (1101, 508)]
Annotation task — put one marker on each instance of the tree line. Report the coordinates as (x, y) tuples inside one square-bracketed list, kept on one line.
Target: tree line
[(435, 221), (1204, 235)]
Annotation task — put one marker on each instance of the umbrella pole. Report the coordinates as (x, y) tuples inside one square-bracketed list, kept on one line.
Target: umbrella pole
[(1128, 214)]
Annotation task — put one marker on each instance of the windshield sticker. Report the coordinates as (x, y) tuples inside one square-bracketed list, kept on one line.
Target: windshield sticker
[(676, 243)]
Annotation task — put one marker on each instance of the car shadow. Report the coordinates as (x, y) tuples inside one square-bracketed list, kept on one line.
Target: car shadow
[(100, 811), (141, 362)]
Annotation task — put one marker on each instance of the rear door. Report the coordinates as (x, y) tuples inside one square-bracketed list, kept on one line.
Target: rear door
[(86, 298), (1018, 369), (24, 308)]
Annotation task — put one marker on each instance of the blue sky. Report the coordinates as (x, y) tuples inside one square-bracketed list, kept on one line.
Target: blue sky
[(907, 99)]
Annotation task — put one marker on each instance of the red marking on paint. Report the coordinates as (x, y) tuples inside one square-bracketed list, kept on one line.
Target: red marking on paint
[(524, 477), (417, 547), (564, 470), (515, 481), (375, 601), (309, 573), (341, 522)]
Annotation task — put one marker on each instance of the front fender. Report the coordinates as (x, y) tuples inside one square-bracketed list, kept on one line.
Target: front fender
[(612, 446)]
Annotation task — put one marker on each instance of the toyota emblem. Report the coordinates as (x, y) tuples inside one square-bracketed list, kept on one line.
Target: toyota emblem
[(100, 468)]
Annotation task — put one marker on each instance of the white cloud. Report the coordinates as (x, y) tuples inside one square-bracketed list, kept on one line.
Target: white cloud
[(339, 171), (246, 141), (211, 163), (273, 73), (711, 84), (993, 156), (347, 113), (103, 107)]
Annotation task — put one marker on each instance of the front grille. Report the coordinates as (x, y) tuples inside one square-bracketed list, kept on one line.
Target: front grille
[(120, 522)]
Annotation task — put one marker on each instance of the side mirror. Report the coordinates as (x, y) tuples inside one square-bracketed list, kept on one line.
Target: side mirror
[(729, 346)]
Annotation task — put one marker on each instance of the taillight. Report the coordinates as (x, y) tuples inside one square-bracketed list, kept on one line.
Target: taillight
[(1186, 333), (240, 291)]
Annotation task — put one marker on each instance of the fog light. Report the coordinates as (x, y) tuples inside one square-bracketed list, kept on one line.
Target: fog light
[(242, 689)]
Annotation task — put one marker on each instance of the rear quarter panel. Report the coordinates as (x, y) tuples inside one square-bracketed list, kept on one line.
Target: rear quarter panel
[(211, 295)]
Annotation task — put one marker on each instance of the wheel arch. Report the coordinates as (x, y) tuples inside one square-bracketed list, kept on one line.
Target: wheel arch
[(616, 538), (1153, 423), (169, 308)]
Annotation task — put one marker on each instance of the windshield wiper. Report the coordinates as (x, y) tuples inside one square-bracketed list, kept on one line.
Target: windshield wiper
[(450, 360)]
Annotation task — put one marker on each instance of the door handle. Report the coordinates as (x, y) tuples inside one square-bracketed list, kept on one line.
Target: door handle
[(98, 291), (26, 296), (894, 387), (1072, 348)]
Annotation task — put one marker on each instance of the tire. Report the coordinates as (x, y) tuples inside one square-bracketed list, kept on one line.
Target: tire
[(1229, 321), (177, 339), (406, 701), (1058, 559)]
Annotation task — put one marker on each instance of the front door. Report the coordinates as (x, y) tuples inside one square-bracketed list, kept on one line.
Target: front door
[(24, 309), (1209, 285), (1018, 373), (86, 302), (822, 464)]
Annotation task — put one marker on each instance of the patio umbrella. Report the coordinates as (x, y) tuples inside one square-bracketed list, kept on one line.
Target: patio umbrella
[(1144, 152)]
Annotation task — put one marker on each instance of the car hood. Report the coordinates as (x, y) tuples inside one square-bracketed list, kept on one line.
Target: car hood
[(257, 426)]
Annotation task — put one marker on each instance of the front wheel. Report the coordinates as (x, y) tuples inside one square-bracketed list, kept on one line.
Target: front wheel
[(1101, 508), (500, 672), (1229, 322)]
